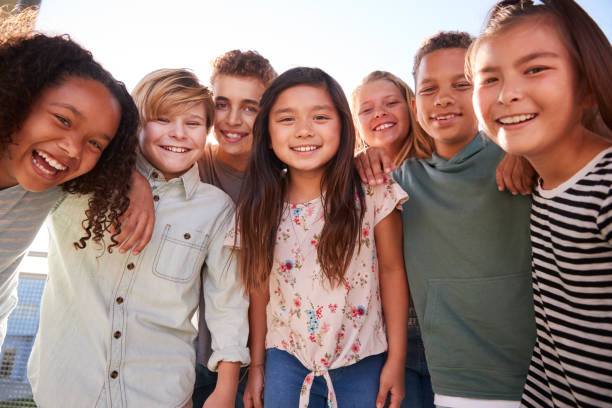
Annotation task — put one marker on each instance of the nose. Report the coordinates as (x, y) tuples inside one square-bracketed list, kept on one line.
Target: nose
[(304, 129), (380, 112), (72, 145), (443, 98), (234, 117), (509, 92), (178, 130)]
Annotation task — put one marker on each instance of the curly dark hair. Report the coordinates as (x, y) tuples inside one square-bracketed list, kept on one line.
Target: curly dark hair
[(439, 41), (243, 64), (33, 63)]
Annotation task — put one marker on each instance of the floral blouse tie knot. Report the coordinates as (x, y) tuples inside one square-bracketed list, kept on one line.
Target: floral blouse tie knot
[(307, 385)]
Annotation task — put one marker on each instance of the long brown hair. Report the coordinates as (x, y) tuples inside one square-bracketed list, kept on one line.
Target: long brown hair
[(261, 203), (587, 45), (417, 143)]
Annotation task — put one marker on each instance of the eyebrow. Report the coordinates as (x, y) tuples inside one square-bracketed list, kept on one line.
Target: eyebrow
[(314, 108), (71, 108), (523, 60), (247, 101)]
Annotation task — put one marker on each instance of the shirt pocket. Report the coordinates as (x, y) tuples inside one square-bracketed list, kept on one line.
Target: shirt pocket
[(490, 321), (180, 255)]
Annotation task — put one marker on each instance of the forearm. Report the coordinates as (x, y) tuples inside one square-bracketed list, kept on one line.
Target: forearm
[(257, 325), (227, 379), (393, 283), (395, 302)]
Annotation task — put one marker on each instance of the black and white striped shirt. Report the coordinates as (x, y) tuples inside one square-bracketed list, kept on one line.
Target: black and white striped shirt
[(571, 235)]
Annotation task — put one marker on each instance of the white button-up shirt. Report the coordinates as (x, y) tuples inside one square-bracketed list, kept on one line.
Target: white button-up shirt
[(116, 329)]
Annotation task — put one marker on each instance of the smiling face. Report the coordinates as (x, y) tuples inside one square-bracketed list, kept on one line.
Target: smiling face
[(172, 143), (383, 115), (526, 91), (304, 128), (443, 101), (236, 106), (63, 136)]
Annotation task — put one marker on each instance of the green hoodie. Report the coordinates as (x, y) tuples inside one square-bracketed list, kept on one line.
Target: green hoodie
[(468, 260)]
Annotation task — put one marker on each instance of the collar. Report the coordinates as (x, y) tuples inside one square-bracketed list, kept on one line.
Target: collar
[(475, 146), (189, 180)]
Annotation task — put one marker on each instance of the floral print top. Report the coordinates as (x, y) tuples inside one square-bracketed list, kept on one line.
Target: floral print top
[(325, 327)]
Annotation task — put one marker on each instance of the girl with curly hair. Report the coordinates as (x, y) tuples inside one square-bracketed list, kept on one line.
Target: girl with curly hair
[(66, 126)]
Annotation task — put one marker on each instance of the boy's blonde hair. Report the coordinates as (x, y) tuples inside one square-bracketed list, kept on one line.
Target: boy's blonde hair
[(417, 143), (171, 92)]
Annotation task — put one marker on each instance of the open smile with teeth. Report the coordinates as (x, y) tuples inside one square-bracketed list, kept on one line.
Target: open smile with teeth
[(446, 117), (305, 148), (234, 135), (46, 163), (384, 126), (175, 149), (513, 120)]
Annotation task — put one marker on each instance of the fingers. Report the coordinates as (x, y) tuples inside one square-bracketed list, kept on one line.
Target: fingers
[(499, 178), (247, 400), (367, 167), (145, 237), (387, 163), (258, 403), (395, 401), (519, 179), (378, 157), (359, 159), (381, 398)]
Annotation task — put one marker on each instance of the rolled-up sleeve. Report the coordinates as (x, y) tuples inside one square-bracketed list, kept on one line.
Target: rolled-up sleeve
[(227, 304)]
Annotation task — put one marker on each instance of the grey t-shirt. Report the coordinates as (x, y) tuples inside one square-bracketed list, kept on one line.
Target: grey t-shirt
[(22, 213), (214, 171)]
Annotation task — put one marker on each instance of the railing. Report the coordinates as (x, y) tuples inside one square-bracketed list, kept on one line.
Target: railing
[(15, 389)]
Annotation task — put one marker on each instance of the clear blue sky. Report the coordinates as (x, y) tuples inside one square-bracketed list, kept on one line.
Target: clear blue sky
[(346, 38)]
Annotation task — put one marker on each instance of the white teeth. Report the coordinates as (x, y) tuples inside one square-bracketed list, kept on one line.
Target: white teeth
[(43, 169), (510, 120), (175, 149), (51, 161), (305, 148), (445, 117), (385, 126), (233, 135)]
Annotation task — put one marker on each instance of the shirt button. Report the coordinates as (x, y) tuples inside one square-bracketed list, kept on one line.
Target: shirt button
[(130, 266), (119, 300), (117, 334), (114, 374), (155, 197), (155, 174), (187, 235)]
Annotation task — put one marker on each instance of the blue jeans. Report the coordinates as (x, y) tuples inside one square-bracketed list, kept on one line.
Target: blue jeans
[(205, 384), (356, 385), (418, 383)]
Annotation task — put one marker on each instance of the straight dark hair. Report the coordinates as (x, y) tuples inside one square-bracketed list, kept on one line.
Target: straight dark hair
[(586, 43), (262, 199)]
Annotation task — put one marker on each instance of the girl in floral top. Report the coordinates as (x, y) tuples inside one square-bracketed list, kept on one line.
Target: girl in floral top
[(321, 257)]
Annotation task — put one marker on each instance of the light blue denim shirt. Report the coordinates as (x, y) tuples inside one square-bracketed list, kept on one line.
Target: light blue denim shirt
[(116, 329)]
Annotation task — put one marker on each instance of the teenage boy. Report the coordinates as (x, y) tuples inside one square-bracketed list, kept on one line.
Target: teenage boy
[(239, 79), (115, 328), (466, 244)]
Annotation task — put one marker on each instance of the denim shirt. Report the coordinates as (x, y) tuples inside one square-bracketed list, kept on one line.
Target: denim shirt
[(116, 330)]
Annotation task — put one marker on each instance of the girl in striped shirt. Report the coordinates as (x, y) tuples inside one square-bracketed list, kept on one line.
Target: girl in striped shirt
[(542, 89)]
